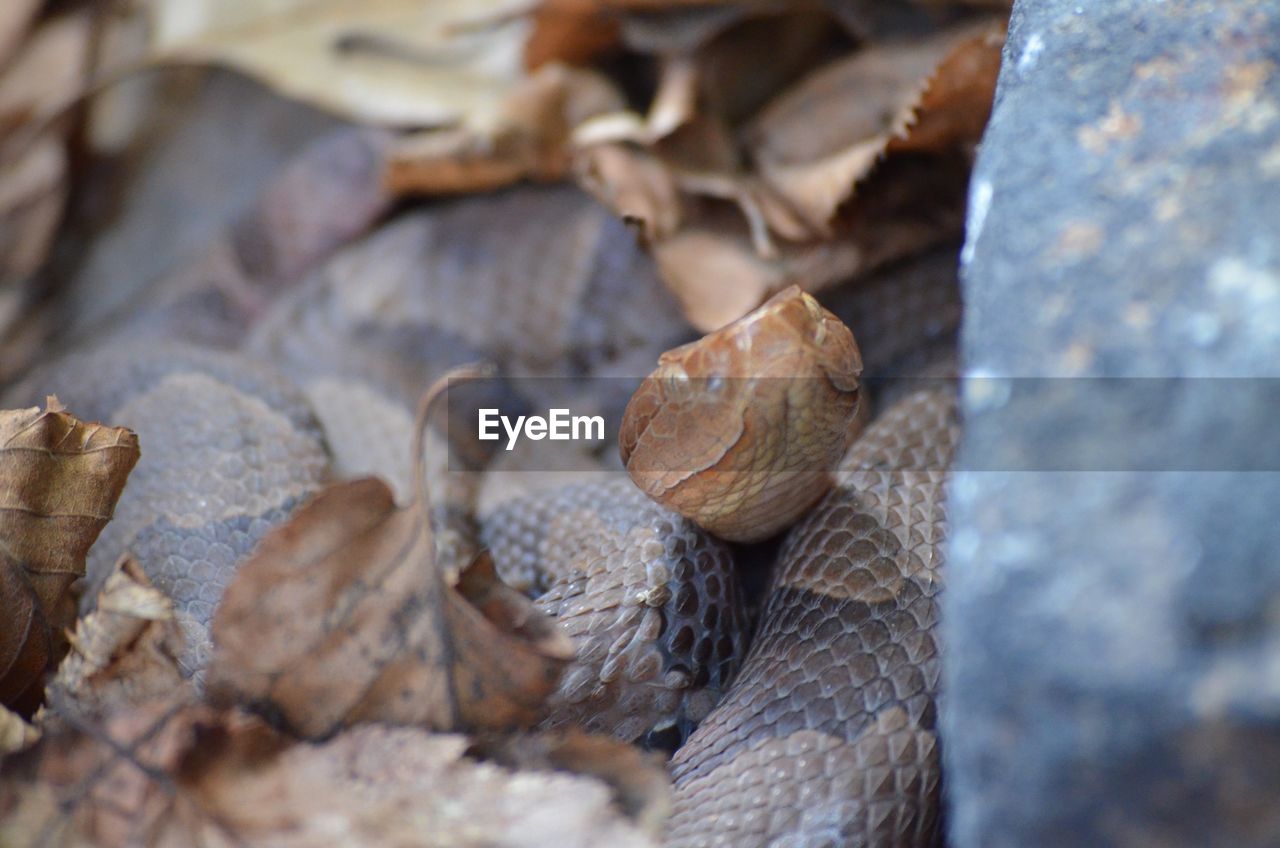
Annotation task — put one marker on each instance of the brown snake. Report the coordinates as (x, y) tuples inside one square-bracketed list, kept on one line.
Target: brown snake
[(824, 729)]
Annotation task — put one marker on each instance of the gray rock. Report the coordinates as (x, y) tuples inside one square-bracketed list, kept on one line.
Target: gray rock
[(1113, 633)]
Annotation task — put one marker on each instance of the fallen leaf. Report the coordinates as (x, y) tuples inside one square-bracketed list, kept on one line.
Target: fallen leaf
[(391, 62), (347, 614), (818, 195), (530, 141), (110, 782), (124, 652), (817, 142), (341, 617), (635, 185), (954, 106), (716, 270), (175, 773), (60, 479)]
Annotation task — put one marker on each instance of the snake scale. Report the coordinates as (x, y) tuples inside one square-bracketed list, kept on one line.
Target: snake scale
[(815, 729)]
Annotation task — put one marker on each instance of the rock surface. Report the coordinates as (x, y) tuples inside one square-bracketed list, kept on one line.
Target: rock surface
[(1113, 636)]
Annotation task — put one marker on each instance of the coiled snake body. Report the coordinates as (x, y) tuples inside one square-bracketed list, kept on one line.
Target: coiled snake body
[(824, 729)]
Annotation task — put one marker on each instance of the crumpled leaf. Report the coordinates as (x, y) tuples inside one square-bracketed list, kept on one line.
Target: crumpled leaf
[(124, 652), (170, 772), (716, 270), (391, 62), (635, 185), (347, 614), (60, 479), (530, 142), (641, 786), (953, 107), (821, 138), (858, 164)]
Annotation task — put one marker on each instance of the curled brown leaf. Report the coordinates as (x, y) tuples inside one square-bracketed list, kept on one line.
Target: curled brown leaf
[(640, 784), (927, 95), (60, 479), (123, 652), (167, 772)]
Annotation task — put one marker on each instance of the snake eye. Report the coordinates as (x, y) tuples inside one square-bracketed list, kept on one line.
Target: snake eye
[(715, 383)]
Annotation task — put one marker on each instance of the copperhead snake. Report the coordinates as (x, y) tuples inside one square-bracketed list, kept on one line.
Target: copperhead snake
[(815, 729)]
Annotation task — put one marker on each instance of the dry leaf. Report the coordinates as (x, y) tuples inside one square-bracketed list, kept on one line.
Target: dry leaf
[(954, 106), (342, 616), (635, 185), (717, 272), (175, 773), (124, 652), (60, 479), (640, 783), (797, 221), (391, 62), (530, 142), (820, 139), (110, 783)]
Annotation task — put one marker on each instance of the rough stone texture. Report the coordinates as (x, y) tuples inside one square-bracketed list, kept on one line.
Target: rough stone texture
[(1113, 638)]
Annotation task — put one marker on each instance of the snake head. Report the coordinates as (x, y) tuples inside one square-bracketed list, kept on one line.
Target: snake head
[(740, 430)]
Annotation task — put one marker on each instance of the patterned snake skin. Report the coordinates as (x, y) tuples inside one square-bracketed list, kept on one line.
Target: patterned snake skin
[(828, 736), (650, 600)]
